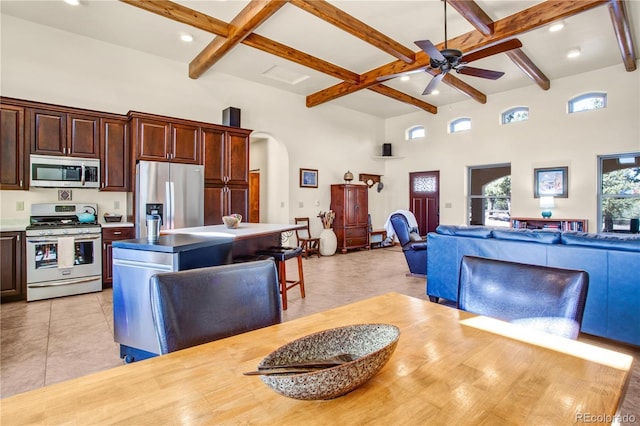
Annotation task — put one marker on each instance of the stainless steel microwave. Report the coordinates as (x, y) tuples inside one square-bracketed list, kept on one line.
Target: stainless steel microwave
[(64, 172)]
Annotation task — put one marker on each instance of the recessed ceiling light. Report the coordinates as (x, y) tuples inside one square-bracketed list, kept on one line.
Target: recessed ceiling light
[(556, 26), (435, 92), (574, 53), (72, 2), (186, 37), (405, 78)]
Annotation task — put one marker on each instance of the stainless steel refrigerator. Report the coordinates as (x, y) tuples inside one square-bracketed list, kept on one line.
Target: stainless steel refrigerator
[(174, 191)]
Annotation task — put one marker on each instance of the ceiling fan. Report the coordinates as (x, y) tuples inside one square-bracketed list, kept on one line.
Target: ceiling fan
[(453, 59)]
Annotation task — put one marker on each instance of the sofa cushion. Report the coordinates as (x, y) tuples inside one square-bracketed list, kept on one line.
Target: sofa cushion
[(604, 241), (473, 231), (530, 235)]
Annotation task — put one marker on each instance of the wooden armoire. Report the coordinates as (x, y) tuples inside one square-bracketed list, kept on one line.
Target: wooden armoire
[(351, 206)]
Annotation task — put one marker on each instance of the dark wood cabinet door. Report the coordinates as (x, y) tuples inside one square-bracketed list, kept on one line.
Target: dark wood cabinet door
[(213, 145), (109, 235), (215, 202), (238, 198), (237, 158), (152, 139), (48, 132), (185, 144), (12, 152), (82, 136), (114, 155), (12, 286)]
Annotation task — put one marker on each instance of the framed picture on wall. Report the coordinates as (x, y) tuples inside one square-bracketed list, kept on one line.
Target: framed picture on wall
[(308, 178), (551, 181)]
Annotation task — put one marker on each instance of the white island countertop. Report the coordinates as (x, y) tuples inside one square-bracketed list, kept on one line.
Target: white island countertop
[(243, 231)]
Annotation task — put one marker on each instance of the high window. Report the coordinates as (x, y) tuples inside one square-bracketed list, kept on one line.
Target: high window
[(415, 132), (619, 192), (490, 195), (459, 125), (588, 102), (515, 114)]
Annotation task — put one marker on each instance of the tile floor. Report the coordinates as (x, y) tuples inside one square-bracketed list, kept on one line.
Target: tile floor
[(49, 341)]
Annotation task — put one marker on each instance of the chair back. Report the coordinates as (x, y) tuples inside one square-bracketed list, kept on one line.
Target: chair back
[(202, 305), (541, 296), (302, 232), (401, 228)]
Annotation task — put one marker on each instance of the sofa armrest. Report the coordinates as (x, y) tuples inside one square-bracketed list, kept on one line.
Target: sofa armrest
[(416, 246)]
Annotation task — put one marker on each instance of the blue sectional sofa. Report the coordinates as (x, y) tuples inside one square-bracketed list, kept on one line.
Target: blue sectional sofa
[(612, 261)]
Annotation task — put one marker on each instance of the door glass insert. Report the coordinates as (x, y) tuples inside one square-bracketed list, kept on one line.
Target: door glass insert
[(425, 184)]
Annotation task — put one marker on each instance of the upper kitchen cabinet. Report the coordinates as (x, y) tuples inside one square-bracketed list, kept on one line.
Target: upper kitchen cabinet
[(114, 154), (12, 148), (226, 156), (159, 138), (63, 132)]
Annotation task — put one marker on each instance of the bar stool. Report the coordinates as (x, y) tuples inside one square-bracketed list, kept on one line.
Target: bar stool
[(281, 255)]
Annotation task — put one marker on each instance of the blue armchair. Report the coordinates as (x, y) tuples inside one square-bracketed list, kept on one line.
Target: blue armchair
[(414, 248)]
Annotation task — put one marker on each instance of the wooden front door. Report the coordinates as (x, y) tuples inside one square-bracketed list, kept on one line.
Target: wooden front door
[(424, 199), (254, 196)]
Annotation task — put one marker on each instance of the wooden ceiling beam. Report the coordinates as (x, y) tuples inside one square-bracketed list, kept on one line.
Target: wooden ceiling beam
[(464, 88), (403, 97), (337, 17), (182, 14), (529, 68), (473, 13), (621, 27), (527, 20), (249, 18)]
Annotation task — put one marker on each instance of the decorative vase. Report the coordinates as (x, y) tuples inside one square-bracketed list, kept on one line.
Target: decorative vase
[(328, 242)]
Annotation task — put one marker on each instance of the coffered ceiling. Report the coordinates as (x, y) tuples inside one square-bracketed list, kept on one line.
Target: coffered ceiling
[(343, 51)]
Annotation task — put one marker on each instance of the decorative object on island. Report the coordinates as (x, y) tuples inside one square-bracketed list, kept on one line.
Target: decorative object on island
[(350, 202), (551, 182), (328, 239), (308, 178), (348, 177), (369, 179), (232, 221), (546, 204)]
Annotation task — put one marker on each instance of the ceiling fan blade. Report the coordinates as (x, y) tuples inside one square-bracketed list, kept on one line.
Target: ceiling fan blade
[(477, 72), (492, 50), (400, 74), (430, 50), (433, 83)]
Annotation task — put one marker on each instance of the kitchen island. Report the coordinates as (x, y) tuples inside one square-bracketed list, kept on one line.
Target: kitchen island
[(248, 238)]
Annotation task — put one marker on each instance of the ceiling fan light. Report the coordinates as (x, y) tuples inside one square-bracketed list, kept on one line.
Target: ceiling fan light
[(186, 37), (574, 53), (556, 26)]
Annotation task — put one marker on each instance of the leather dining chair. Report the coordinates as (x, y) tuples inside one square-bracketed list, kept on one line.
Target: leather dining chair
[(541, 297), (310, 245), (206, 304)]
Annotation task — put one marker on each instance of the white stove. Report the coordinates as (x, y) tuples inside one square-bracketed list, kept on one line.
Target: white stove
[(64, 253)]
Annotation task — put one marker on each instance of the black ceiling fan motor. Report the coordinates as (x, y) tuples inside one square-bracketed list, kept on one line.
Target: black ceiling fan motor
[(452, 57)]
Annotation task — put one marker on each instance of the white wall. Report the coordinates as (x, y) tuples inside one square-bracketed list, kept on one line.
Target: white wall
[(551, 137), (43, 64)]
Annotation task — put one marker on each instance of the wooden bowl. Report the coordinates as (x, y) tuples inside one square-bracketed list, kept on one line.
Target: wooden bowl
[(372, 343)]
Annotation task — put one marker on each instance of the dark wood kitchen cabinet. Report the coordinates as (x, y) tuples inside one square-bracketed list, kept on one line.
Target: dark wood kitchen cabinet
[(64, 132), (226, 172), (351, 206), (158, 138), (12, 273), (115, 151), (109, 235), (12, 147)]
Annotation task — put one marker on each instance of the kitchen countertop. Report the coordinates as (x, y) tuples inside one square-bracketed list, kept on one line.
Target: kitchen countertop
[(13, 225), (243, 231), (116, 224), (172, 243)]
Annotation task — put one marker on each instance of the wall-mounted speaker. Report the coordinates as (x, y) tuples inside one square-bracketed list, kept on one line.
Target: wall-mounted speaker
[(231, 117), (386, 150)]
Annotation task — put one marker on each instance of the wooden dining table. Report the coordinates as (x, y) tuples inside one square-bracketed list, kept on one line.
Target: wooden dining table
[(449, 367)]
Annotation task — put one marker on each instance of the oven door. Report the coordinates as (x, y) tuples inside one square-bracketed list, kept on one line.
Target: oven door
[(46, 265)]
